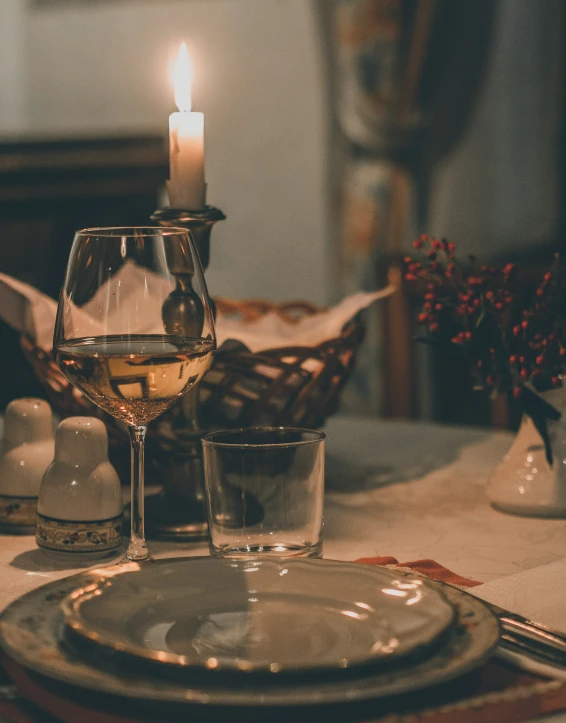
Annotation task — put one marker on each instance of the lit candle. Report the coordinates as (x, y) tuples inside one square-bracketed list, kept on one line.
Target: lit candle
[(186, 187)]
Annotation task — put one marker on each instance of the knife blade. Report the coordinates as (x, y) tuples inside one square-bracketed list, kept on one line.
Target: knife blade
[(526, 648)]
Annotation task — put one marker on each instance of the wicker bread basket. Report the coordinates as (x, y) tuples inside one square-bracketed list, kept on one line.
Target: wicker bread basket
[(297, 386)]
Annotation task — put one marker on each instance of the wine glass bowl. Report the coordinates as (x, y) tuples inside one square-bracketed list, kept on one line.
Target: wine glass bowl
[(134, 331), (135, 377)]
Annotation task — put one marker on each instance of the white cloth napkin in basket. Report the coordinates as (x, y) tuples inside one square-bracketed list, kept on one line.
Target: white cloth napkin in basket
[(32, 313)]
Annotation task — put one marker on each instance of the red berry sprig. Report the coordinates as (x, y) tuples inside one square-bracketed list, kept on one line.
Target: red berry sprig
[(511, 342)]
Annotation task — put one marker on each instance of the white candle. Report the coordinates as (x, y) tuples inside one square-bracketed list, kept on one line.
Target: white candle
[(186, 187)]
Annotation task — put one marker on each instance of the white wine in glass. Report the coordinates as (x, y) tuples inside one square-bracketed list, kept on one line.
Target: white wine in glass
[(134, 332)]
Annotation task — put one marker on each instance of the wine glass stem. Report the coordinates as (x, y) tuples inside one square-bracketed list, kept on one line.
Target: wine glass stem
[(137, 549)]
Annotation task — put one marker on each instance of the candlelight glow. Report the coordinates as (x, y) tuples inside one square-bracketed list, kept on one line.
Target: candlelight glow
[(182, 80)]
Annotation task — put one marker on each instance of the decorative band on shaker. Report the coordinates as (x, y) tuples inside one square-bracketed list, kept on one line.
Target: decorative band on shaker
[(18, 511), (70, 536)]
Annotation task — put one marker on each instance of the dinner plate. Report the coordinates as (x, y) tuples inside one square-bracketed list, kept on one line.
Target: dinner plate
[(32, 627), (259, 615)]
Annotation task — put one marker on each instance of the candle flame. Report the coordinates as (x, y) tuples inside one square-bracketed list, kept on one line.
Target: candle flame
[(182, 79)]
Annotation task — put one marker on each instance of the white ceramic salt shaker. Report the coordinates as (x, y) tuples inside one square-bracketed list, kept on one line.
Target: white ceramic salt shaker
[(26, 452), (80, 500)]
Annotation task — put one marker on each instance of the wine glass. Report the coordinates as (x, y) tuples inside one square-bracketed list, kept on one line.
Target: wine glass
[(134, 332)]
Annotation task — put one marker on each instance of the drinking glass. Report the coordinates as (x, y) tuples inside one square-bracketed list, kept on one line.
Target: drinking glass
[(264, 489), (134, 332)]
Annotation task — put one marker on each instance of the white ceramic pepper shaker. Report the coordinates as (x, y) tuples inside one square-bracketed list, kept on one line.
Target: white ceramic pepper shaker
[(80, 500), (26, 452)]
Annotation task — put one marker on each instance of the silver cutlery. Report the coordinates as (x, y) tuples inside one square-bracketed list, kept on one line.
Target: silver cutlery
[(531, 649), (520, 630)]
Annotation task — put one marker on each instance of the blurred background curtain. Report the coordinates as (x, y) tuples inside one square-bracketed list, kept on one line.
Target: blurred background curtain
[(404, 78), (500, 193)]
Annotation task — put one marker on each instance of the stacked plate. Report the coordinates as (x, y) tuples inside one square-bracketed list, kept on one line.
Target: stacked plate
[(248, 634)]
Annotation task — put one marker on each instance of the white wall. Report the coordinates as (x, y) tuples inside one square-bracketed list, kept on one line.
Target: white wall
[(13, 79), (102, 68)]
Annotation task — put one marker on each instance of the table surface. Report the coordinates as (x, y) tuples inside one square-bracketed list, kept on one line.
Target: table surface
[(405, 489)]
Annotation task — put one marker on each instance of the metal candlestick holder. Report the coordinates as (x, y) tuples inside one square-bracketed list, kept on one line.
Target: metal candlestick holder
[(178, 512)]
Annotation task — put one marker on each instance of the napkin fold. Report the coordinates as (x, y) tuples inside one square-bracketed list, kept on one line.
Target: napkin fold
[(33, 314), (430, 568), (271, 331), (538, 594), (27, 310)]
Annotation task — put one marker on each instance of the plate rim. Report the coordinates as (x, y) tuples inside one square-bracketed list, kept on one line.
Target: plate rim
[(71, 613), (142, 688)]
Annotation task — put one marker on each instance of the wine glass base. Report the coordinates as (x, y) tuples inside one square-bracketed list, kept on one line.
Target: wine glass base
[(137, 552)]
